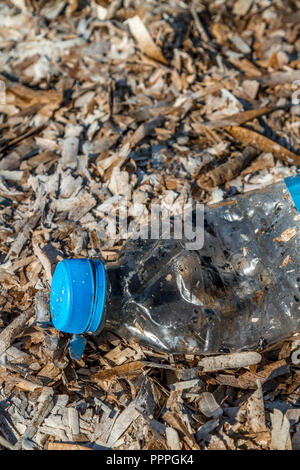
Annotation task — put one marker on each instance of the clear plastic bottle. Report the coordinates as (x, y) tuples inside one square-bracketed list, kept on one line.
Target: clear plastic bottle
[(241, 291)]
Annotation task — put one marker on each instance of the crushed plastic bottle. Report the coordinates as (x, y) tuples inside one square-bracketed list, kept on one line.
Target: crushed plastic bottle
[(241, 291)]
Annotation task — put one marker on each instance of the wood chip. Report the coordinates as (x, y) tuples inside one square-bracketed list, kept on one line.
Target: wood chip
[(17, 381), (281, 439), (66, 446), (122, 422), (133, 368), (186, 384), (228, 170), (175, 421), (250, 137), (256, 410), (23, 235), (204, 432), (144, 40), (13, 329), (173, 440), (208, 405), (239, 118), (229, 361), (73, 420)]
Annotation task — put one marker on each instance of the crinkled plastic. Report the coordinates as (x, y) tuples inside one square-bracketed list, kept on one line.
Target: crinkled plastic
[(241, 291)]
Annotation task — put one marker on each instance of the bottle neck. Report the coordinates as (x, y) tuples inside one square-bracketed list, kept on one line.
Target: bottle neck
[(113, 301)]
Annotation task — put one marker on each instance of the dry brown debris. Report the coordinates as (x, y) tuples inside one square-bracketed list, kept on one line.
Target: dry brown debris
[(146, 101)]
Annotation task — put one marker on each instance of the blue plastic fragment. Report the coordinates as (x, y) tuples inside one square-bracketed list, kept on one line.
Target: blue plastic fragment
[(77, 347), (293, 185)]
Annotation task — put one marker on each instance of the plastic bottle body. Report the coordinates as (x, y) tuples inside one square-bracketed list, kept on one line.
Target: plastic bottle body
[(240, 291)]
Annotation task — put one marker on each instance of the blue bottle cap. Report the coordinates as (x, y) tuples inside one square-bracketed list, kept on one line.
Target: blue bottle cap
[(293, 185), (77, 295)]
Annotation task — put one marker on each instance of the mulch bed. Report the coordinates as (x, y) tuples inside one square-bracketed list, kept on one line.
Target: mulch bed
[(152, 102)]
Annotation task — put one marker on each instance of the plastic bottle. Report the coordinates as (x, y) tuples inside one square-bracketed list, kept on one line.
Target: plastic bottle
[(241, 291)]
